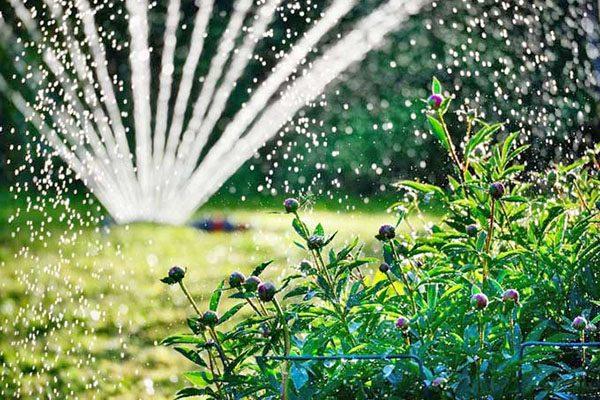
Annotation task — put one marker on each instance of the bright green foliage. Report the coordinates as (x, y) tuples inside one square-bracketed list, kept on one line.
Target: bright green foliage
[(539, 236)]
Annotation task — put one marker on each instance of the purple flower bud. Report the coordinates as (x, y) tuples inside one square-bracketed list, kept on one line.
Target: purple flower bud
[(210, 318), (387, 232), (497, 190), (479, 301), (266, 291), (471, 230), (435, 101), (236, 279), (384, 267), (315, 242), (251, 283), (265, 330), (402, 323), (291, 205), (176, 273), (579, 323), (437, 382), (510, 295)]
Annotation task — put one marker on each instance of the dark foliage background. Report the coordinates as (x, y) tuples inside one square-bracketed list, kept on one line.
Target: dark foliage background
[(365, 132)]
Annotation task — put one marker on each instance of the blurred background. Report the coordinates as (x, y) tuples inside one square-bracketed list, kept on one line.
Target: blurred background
[(81, 306)]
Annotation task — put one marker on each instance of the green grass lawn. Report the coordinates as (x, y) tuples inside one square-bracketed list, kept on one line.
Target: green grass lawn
[(81, 315)]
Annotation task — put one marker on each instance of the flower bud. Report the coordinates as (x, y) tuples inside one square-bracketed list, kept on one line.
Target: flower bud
[(236, 279), (435, 101), (510, 295), (291, 205), (266, 291), (471, 230), (402, 323), (387, 232), (437, 382), (315, 242), (579, 323), (176, 274), (265, 330), (384, 267), (479, 301), (251, 283), (496, 190), (210, 318)]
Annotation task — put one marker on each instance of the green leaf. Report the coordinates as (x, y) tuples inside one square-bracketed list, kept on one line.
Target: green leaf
[(297, 291), (436, 86), (508, 142), (199, 378), (481, 238), (168, 280), (438, 131), (319, 230), (481, 136), (299, 228), (191, 355), (192, 391), (445, 105), (230, 313), (421, 187), (261, 267), (299, 376), (182, 339), (216, 297)]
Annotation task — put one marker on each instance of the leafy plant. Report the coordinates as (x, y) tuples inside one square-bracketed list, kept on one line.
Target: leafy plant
[(515, 259)]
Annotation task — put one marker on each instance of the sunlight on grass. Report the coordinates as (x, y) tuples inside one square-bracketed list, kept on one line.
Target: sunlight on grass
[(101, 332)]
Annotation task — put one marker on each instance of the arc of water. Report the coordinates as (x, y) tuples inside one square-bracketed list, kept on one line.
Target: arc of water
[(226, 46), (166, 81), (139, 57), (224, 49), (352, 48), (185, 86), (109, 99), (166, 182), (238, 63), (74, 163), (57, 68), (84, 75), (267, 89), (98, 150), (97, 169)]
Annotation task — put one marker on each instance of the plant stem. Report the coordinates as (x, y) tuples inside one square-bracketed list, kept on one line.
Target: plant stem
[(583, 350), (387, 274), (212, 364), (450, 144), (254, 307), (219, 348), (488, 242), (404, 279), (581, 198), (250, 303), (287, 348), (327, 274), (480, 355), (189, 297)]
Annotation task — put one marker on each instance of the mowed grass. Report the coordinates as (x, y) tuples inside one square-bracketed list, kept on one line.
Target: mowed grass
[(82, 315)]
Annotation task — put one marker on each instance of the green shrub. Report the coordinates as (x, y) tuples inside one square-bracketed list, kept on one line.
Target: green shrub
[(516, 258)]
